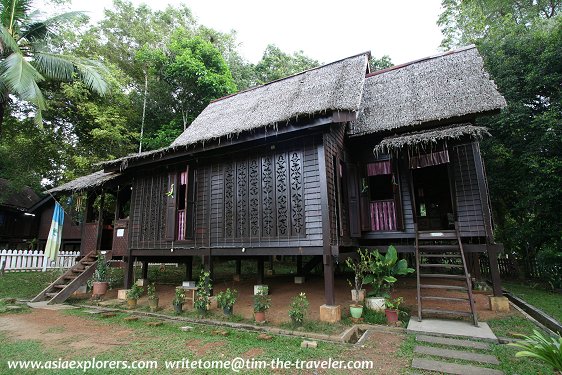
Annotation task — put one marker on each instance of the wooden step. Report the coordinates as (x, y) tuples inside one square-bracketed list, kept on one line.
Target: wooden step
[(452, 287), (442, 265), (454, 256), (78, 270), (444, 248), (450, 299), (443, 276), (87, 263), (446, 312), (70, 277), (437, 235), (60, 286), (51, 294)]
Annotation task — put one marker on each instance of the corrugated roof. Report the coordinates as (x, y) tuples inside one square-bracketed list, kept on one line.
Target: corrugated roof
[(446, 86)]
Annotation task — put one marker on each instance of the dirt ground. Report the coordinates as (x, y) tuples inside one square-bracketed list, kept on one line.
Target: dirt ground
[(59, 332), (282, 289)]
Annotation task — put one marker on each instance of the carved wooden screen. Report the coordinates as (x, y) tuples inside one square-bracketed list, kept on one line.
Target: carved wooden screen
[(263, 197)]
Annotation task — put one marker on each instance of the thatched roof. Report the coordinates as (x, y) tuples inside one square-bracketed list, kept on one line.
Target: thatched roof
[(428, 138), (22, 199), (446, 86), (94, 180), (330, 88)]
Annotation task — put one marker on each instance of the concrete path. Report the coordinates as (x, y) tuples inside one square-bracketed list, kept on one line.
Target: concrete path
[(45, 306), (452, 328)]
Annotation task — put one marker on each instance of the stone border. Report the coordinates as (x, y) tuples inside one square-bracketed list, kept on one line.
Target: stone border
[(342, 338)]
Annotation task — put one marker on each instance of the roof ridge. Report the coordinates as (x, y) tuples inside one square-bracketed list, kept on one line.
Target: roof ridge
[(443, 54), (291, 76)]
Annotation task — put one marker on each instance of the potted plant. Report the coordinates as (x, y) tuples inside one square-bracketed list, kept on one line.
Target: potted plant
[(203, 293), (360, 267), (299, 308), (178, 300), (226, 300), (152, 297), (100, 283), (133, 295), (356, 310), (391, 310), (382, 273), (262, 302)]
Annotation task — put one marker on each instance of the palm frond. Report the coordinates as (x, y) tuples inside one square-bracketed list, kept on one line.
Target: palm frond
[(21, 79), (54, 66), (40, 29), (7, 41), (12, 11), (90, 72)]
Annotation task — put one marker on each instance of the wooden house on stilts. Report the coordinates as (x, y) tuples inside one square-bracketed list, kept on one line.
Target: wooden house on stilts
[(316, 164)]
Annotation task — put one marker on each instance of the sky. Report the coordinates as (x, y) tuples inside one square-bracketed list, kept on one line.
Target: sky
[(324, 30)]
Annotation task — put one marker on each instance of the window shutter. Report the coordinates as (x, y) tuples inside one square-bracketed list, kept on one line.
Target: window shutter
[(171, 206), (353, 201)]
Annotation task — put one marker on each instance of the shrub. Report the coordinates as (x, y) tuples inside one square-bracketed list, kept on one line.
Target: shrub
[(299, 308), (135, 292), (151, 291), (227, 298), (203, 291), (546, 349), (262, 301)]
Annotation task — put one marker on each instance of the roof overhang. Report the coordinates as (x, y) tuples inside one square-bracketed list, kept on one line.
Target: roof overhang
[(423, 140)]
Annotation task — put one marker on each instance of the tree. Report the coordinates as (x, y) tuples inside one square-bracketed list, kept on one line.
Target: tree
[(276, 64), (380, 63), (521, 43), (26, 58)]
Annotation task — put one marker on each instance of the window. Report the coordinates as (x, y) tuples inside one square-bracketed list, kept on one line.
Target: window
[(384, 196), (185, 205)]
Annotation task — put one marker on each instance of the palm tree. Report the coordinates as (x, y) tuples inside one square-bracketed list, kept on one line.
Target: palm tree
[(26, 58)]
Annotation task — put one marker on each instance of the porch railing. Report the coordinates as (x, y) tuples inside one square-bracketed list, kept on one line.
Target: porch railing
[(32, 260)]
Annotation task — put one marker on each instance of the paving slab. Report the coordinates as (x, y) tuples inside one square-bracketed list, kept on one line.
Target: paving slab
[(452, 368), (457, 354), (43, 305), (452, 328), (452, 342)]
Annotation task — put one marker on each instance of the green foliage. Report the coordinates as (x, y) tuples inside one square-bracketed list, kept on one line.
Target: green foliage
[(360, 267), (227, 298), (262, 301), (100, 274), (521, 43), (383, 270), (135, 292), (276, 64), (203, 292), (393, 303), (151, 291), (179, 296), (380, 63), (299, 308), (546, 349)]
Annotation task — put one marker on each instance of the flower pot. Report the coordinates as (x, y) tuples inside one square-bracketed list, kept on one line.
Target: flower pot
[(357, 296), (356, 311), (391, 315), (375, 303), (131, 303), (153, 303), (259, 316), (99, 288), (227, 310), (178, 308)]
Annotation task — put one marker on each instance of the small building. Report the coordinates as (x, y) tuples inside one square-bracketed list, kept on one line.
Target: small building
[(315, 164), (17, 222)]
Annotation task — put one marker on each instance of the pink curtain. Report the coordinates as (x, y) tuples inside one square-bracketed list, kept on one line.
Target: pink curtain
[(383, 215), (427, 160), (378, 168), (181, 225)]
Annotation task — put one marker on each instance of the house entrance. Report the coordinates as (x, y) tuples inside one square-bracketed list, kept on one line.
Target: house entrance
[(432, 191)]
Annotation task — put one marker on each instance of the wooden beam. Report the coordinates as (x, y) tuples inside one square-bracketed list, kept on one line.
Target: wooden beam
[(495, 271), (144, 270), (189, 268), (260, 273), (329, 292), (129, 273)]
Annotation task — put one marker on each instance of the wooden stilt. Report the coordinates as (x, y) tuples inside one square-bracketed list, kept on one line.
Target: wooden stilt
[(329, 293), (189, 268), (261, 263), (144, 270), (130, 273)]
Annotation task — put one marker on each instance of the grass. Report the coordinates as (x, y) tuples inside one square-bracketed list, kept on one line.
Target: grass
[(509, 364), (511, 326), (547, 301), (25, 285), (167, 342)]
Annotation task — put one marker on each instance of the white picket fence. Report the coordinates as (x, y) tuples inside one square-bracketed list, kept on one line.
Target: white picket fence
[(32, 260)]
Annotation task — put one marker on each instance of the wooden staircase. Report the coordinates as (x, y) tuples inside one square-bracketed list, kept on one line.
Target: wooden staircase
[(71, 280), (440, 255)]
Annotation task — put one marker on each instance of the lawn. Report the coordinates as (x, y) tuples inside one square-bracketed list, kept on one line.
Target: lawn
[(25, 285), (547, 301)]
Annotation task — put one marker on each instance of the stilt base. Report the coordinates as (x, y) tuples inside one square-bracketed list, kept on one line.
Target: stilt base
[(500, 304), (330, 313)]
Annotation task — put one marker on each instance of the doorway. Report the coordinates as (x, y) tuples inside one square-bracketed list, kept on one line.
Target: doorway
[(433, 198)]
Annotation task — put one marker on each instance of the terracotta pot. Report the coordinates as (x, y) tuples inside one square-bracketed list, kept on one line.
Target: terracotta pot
[(131, 303), (357, 296), (99, 288), (356, 311), (259, 316), (391, 315), (153, 303)]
